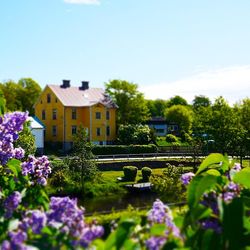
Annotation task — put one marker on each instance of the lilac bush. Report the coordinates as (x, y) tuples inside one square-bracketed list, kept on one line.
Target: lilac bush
[(24, 202), (10, 125)]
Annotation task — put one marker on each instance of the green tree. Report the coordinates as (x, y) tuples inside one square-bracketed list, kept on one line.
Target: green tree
[(157, 107), (177, 100), (183, 116), (201, 101), (134, 134), (29, 92), (22, 95), (2, 103), (26, 141), (132, 107), (81, 164), (11, 92), (223, 125)]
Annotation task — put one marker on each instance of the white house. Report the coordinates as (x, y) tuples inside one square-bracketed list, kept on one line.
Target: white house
[(37, 130)]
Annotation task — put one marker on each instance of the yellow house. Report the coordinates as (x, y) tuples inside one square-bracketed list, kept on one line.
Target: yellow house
[(63, 108)]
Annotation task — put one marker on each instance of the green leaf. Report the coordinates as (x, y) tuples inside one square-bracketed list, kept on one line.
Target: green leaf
[(213, 172), (158, 229), (14, 166), (211, 161), (243, 177), (233, 224), (198, 186)]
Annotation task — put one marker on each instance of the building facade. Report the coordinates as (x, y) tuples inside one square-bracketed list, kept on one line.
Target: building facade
[(63, 109)]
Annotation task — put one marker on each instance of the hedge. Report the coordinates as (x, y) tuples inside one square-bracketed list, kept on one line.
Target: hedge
[(146, 172), (123, 149), (130, 173)]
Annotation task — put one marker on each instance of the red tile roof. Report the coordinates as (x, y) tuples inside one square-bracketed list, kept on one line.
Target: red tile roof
[(75, 97)]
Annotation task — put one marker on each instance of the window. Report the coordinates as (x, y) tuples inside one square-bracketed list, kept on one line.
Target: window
[(43, 115), (73, 130), (160, 130), (41, 102), (56, 99), (98, 115), (48, 98), (107, 115), (54, 130), (73, 114), (108, 131), (98, 131), (54, 114)]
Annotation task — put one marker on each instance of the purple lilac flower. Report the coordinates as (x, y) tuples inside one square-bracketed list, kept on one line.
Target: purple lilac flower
[(34, 219), (155, 243), (18, 237), (38, 168), (187, 177), (11, 203), (65, 215), (230, 191), (212, 223), (10, 125), (210, 200), (161, 213)]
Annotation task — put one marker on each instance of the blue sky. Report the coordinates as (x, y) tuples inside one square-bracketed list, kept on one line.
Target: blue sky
[(167, 47)]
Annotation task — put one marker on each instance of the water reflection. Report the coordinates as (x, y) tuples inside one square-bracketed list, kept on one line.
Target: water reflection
[(117, 202)]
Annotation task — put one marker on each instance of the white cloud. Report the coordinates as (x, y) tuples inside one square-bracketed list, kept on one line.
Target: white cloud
[(233, 83), (97, 2)]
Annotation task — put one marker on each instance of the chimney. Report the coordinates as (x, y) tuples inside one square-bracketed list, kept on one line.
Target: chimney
[(65, 84), (85, 85)]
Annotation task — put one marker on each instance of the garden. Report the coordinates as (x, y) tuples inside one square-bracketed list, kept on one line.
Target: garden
[(216, 214)]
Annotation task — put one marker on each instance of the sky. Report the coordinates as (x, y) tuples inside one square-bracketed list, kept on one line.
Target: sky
[(167, 47)]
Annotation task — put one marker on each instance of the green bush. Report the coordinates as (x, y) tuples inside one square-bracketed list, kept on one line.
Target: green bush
[(130, 173), (171, 138), (123, 149), (146, 172)]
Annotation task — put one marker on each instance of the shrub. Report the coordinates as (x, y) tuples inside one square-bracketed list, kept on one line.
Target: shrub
[(171, 138), (146, 172), (130, 173)]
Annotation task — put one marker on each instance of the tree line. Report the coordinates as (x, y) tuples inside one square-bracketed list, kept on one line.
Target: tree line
[(20, 95), (227, 127)]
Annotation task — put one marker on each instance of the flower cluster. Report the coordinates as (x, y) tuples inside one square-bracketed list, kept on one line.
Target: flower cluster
[(186, 178), (37, 168), (161, 214), (11, 203), (229, 191), (10, 125), (64, 215)]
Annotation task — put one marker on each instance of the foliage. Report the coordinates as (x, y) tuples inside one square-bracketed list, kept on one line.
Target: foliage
[(181, 115), (132, 105), (29, 220), (168, 183), (134, 134), (201, 101), (171, 138), (2, 103), (146, 173), (122, 149), (81, 165), (176, 100), (22, 95), (26, 141), (218, 191), (130, 173), (157, 107)]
